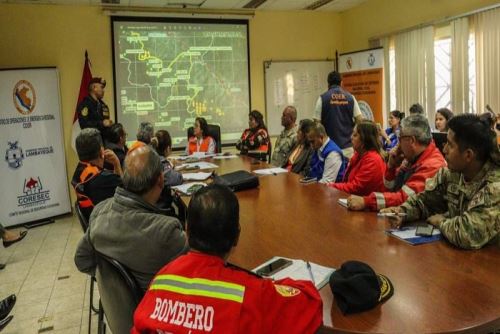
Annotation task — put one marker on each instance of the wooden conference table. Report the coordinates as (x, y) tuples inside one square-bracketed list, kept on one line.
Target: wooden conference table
[(437, 287)]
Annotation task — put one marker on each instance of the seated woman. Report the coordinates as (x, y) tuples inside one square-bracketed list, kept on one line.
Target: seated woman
[(366, 168), (443, 115), (201, 141), (390, 135), (172, 177), (255, 138), (299, 158)]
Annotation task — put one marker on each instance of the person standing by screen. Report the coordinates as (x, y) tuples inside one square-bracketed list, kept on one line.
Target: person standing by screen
[(338, 111), (92, 111)]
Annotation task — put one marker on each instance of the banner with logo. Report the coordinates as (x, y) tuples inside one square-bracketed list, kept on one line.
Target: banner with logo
[(363, 75), (34, 179)]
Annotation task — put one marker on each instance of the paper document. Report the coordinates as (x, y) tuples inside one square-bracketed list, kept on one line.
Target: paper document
[(196, 165), (270, 171), (222, 157), (407, 234), (299, 271), (189, 188), (343, 202), (200, 176)]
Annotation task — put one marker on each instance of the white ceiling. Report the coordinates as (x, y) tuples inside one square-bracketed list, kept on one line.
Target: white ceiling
[(333, 5)]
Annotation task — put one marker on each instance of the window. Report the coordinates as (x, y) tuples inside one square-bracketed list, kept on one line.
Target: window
[(442, 68)]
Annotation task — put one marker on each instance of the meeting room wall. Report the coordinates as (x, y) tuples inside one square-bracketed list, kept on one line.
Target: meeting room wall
[(49, 35), (376, 17)]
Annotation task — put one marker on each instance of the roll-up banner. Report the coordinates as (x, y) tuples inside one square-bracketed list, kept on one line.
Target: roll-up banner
[(362, 75), (33, 178)]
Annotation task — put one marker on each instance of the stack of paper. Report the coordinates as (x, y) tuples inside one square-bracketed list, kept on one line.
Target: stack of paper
[(270, 171), (200, 176), (189, 188), (299, 271)]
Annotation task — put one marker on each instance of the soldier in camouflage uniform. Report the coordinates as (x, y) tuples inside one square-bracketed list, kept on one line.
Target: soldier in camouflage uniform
[(287, 139), (464, 200)]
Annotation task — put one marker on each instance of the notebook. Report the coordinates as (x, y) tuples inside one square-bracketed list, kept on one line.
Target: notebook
[(299, 271)]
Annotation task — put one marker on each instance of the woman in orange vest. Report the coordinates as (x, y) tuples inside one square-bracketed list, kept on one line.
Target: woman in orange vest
[(255, 138), (201, 141)]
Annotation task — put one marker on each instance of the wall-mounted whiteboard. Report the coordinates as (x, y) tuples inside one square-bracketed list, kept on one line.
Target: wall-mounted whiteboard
[(297, 83)]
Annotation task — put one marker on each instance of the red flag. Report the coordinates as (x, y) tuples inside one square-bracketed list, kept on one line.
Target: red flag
[(84, 85)]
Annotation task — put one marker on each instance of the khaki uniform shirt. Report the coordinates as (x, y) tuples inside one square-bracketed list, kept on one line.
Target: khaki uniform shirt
[(472, 209)]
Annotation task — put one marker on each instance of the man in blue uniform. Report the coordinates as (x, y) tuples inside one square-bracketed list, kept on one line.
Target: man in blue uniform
[(338, 111), (92, 111)]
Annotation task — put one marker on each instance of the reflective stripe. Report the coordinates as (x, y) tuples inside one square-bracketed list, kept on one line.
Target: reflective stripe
[(199, 287), (380, 200), (408, 191), (389, 184)]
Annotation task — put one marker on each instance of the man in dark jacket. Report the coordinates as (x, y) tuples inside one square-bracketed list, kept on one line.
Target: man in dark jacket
[(129, 227)]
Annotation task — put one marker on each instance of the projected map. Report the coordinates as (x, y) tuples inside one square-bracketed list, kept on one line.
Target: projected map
[(171, 73)]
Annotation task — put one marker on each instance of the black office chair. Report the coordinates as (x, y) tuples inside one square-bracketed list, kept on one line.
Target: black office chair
[(120, 295), (214, 132), (85, 225)]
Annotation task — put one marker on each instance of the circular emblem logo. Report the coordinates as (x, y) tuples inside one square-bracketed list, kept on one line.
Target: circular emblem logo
[(365, 109), (286, 291), (24, 97)]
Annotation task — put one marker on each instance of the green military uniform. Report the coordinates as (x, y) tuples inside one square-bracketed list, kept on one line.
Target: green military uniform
[(284, 144), (472, 209)]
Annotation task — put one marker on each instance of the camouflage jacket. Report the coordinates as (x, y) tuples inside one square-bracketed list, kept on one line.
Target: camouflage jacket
[(472, 210), (284, 144)]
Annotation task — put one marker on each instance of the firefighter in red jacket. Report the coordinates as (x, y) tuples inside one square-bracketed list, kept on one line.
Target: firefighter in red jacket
[(201, 293), (411, 163)]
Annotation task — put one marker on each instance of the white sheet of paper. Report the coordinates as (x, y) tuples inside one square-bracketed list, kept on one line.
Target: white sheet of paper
[(343, 202), (200, 164), (298, 271), (183, 188), (409, 232), (222, 157), (200, 176), (270, 171)]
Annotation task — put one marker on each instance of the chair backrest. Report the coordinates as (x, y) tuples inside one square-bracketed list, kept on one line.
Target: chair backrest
[(214, 132), (84, 223), (119, 293)]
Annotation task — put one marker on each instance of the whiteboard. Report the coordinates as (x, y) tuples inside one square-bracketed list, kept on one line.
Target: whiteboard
[(296, 83)]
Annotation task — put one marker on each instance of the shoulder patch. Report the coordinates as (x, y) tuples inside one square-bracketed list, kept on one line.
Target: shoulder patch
[(85, 112), (286, 291), (477, 200)]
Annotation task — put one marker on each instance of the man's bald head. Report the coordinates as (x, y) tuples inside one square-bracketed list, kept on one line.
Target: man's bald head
[(289, 117), (142, 170)]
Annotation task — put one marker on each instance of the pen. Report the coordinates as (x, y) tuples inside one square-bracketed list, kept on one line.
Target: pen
[(310, 272)]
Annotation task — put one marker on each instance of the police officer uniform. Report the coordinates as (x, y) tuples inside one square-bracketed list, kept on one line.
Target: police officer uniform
[(92, 112)]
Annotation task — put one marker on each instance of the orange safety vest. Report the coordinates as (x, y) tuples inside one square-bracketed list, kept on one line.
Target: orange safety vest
[(87, 174), (263, 148), (135, 145), (205, 143)]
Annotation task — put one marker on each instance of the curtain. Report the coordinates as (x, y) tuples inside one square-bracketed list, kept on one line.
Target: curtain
[(460, 65), (386, 100), (487, 37), (415, 78)]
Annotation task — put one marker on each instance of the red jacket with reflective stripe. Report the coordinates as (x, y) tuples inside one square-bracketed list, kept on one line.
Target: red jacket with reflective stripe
[(284, 306), (364, 174), (426, 166)]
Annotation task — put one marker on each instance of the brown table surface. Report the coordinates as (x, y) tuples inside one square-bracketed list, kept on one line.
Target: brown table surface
[(437, 287)]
